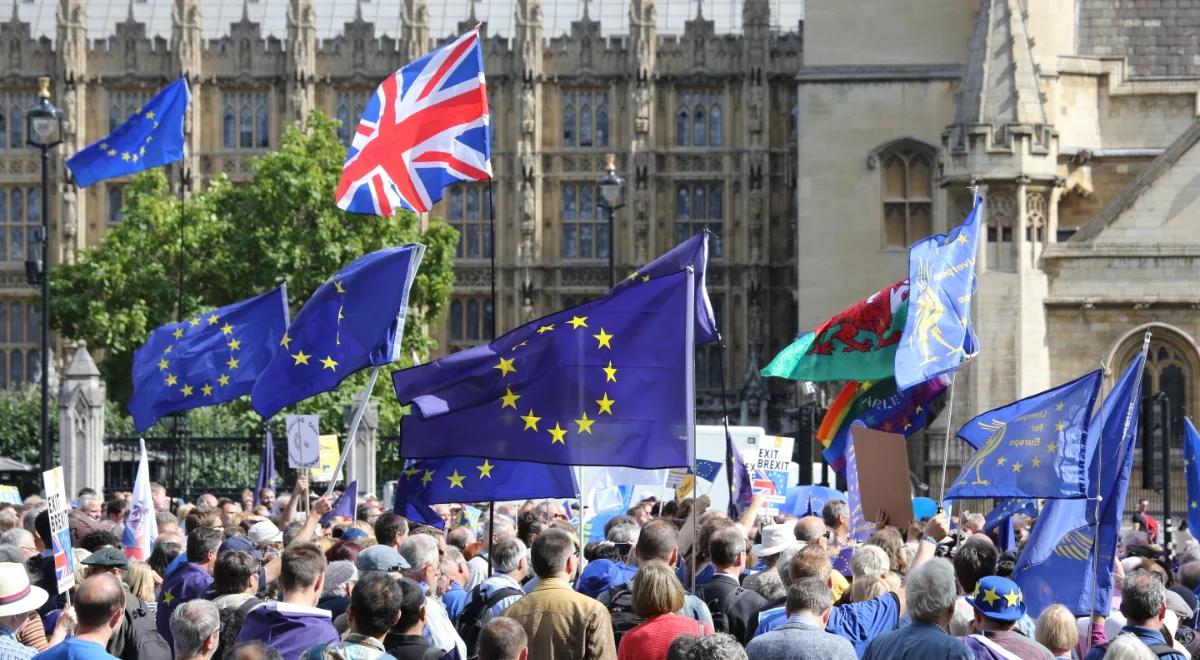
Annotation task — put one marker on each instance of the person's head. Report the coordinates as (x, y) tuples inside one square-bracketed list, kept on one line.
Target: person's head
[(721, 646), (868, 587), (499, 525), (412, 607), (836, 514), (207, 500), (390, 529), (998, 603), (553, 554), (727, 549), (158, 493), (420, 551), (1056, 630), (640, 514), (140, 579), (302, 573), (710, 523), (196, 627), (99, 605), (658, 539), (974, 523), (811, 596), (266, 497), (656, 590), (1127, 646), (812, 530), (502, 638), (236, 572), (90, 506), (810, 562), (624, 533), (681, 648), (167, 523), (94, 541), (202, 545), (889, 539), (1189, 574), (115, 510), (340, 578), (229, 511), (975, 560), (929, 593), (18, 598), (253, 650), (1142, 505), (509, 557), (374, 605), (459, 537), (869, 561), (1143, 599), (22, 540)]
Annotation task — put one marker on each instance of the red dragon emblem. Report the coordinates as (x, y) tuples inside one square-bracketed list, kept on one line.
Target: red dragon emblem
[(866, 326)]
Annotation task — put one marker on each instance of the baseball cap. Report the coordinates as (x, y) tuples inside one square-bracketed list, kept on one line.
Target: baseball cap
[(236, 543), (380, 558)]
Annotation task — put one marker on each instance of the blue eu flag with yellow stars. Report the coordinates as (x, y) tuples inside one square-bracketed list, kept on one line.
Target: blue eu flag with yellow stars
[(353, 321), (464, 479), (941, 278), (608, 382), (691, 253), (207, 359), (152, 137), (1191, 470), (1074, 538), (1035, 447)]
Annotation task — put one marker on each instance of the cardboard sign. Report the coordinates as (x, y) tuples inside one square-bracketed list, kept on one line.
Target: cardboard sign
[(881, 462), (60, 529), (327, 458), (685, 487), (304, 449), (769, 462), (10, 495)]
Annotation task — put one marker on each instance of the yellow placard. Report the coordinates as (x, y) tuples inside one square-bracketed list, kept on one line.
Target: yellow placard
[(328, 460), (684, 489)]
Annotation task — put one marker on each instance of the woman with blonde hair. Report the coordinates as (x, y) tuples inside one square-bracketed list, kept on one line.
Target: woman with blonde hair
[(868, 587), (657, 595), (142, 582), (1056, 630)]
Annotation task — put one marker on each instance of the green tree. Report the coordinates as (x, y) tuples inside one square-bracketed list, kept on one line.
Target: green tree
[(233, 242)]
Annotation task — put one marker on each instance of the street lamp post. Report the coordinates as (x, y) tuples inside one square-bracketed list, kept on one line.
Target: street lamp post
[(610, 185), (44, 130)]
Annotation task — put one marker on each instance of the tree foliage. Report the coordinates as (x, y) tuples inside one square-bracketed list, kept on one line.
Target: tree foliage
[(233, 242)]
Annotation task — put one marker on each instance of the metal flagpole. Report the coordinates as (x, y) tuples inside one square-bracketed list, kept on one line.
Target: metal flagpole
[(946, 444), (495, 311), (358, 415)]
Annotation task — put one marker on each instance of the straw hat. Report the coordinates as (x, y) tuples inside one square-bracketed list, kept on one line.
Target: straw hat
[(17, 596)]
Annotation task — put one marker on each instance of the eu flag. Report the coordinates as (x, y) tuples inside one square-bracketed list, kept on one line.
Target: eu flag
[(941, 275), (353, 321), (208, 359), (608, 382), (266, 468), (691, 253), (707, 470), (345, 506), (1063, 552), (151, 137), (465, 479), (1007, 508), (1191, 451), (1034, 447)]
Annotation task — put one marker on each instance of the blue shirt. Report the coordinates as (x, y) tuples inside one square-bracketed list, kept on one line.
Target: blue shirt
[(1146, 635), (858, 623), (919, 641), (455, 599), (73, 648)]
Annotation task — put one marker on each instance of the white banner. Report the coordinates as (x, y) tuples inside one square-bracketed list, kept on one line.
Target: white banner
[(60, 528), (304, 444)]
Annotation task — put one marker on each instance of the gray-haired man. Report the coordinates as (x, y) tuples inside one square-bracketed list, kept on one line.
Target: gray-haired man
[(809, 602), (196, 627), (930, 594)]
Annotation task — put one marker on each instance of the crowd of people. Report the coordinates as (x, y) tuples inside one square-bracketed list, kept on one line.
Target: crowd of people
[(262, 578)]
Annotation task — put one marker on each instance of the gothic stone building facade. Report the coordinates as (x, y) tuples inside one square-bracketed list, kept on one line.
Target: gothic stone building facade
[(1077, 121), (700, 121)]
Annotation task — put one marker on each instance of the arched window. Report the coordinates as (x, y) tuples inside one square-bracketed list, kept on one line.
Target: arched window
[(568, 122), (602, 123), (467, 211), (699, 206), (682, 203), (16, 332), (229, 128), (246, 126), (343, 115), (682, 124), (906, 170), (472, 319), (584, 231), (716, 132), (16, 231), (456, 320), (263, 122), (16, 367), (3, 131), (116, 203), (700, 134), (585, 125)]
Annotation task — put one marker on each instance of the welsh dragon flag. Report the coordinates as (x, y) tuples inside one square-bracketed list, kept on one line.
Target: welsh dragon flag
[(859, 343)]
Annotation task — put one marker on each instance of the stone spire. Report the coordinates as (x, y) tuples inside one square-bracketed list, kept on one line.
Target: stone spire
[(414, 22), (1000, 83)]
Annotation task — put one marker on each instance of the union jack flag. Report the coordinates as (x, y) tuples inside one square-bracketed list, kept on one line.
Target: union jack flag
[(425, 128)]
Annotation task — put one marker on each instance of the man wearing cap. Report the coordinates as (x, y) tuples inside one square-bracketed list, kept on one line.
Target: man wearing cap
[(18, 599), (381, 558), (774, 540), (998, 605), (1144, 604), (265, 536)]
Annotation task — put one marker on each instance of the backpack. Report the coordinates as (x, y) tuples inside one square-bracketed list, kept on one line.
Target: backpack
[(718, 608), (470, 621), (140, 637), (1160, 650), (620, 610), (231, 625)]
